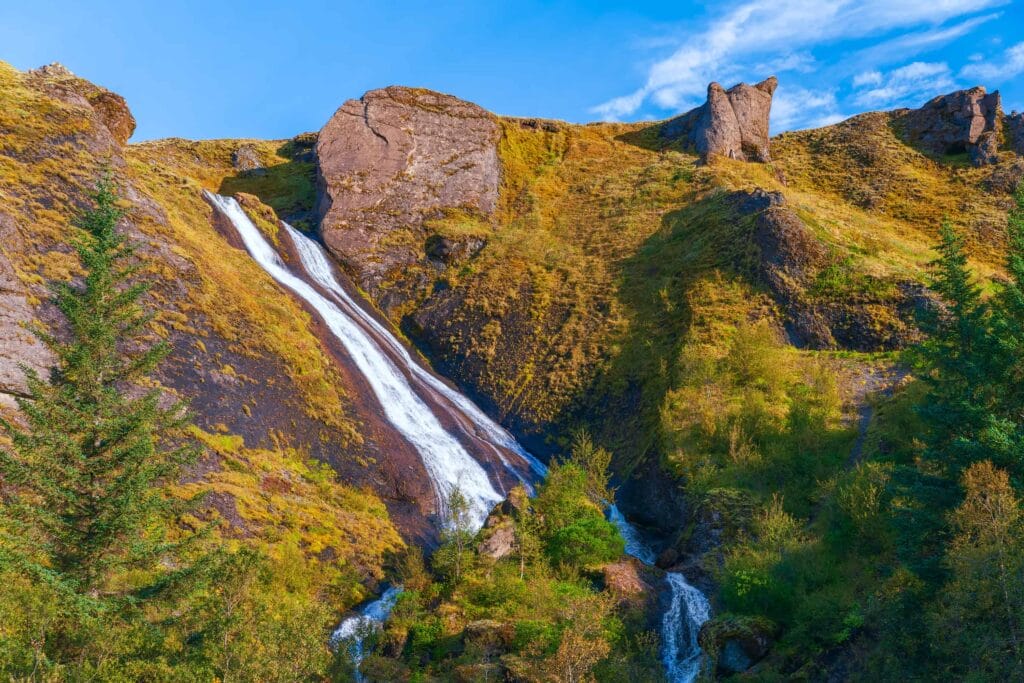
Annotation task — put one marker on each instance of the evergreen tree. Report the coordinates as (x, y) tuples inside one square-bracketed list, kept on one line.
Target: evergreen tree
[(454, 556), (956, 358), (83, 474), (1004, 432)]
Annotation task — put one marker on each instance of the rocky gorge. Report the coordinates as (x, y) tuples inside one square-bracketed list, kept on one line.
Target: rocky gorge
[(559, 276)]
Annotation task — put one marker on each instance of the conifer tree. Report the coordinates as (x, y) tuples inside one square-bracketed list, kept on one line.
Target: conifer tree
[(84, 472), (1004, 433), (955, 359)]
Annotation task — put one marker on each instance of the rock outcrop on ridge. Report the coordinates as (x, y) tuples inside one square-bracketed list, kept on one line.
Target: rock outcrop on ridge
[(393, 159), (796, 266), (962, 121), (732, 123), (111, 108)]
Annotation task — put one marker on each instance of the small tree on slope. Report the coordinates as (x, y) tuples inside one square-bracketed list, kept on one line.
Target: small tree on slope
[(83, 476)]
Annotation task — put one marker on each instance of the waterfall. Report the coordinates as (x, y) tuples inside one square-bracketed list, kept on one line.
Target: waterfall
[(392, 373), (680, 626), (447, 462), (354, 630), (316, 263), (687, 611)]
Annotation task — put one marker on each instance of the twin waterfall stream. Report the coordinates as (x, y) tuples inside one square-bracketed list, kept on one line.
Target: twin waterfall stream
[(409, 396)]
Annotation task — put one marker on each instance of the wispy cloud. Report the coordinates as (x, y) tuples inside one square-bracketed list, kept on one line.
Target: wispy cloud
[(780, 35), (1011, 64), (918, 80), (792, 105)]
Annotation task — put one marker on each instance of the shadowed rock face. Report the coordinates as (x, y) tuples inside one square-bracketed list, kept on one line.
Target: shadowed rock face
[(1015, 132), (790, 260), (732, 123), (962, 121), (392, 159)]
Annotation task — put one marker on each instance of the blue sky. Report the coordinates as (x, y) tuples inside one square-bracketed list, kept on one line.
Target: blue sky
[(273, 69)]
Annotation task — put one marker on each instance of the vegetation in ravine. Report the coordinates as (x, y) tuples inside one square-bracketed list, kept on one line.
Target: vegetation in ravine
[(543, 612)]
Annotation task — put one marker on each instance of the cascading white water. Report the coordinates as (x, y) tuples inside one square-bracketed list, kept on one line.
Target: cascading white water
[(680, 627), (687, 611), (447, 463), (354, 630), (634, 544), (317, 265)]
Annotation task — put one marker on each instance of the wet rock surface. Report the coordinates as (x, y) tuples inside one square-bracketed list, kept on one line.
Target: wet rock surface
[(389, 161), (732, 123), (737, 643)]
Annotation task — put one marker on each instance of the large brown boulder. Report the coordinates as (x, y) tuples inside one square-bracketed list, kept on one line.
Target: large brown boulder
[(962, 121), (393, 159), (732, 123), (112, 109)]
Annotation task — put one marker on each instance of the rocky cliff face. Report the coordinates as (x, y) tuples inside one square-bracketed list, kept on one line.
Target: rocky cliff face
[(386, 163), (963, 121), (18, 346), (732, 123), (1015, 132)]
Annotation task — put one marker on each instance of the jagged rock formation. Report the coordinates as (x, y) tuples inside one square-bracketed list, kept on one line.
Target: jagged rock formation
[(732, 123), (392, 159), (963, 121), (112, 109)]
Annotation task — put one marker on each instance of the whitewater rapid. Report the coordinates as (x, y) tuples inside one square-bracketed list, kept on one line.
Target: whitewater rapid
[(353, 631), (447, 462), (687, 611)]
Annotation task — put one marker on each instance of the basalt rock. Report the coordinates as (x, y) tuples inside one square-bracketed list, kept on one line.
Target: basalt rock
[(732, 123), (112, 109), (737, 643), (245, 158), (392, 160), (962, 121), (1014, 131)]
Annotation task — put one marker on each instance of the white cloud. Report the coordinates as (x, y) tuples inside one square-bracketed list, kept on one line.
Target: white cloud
[(1011, 64), (921, 80), (800, 62), (872, 77), (794, 107), (782, 32), (909, 44)]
